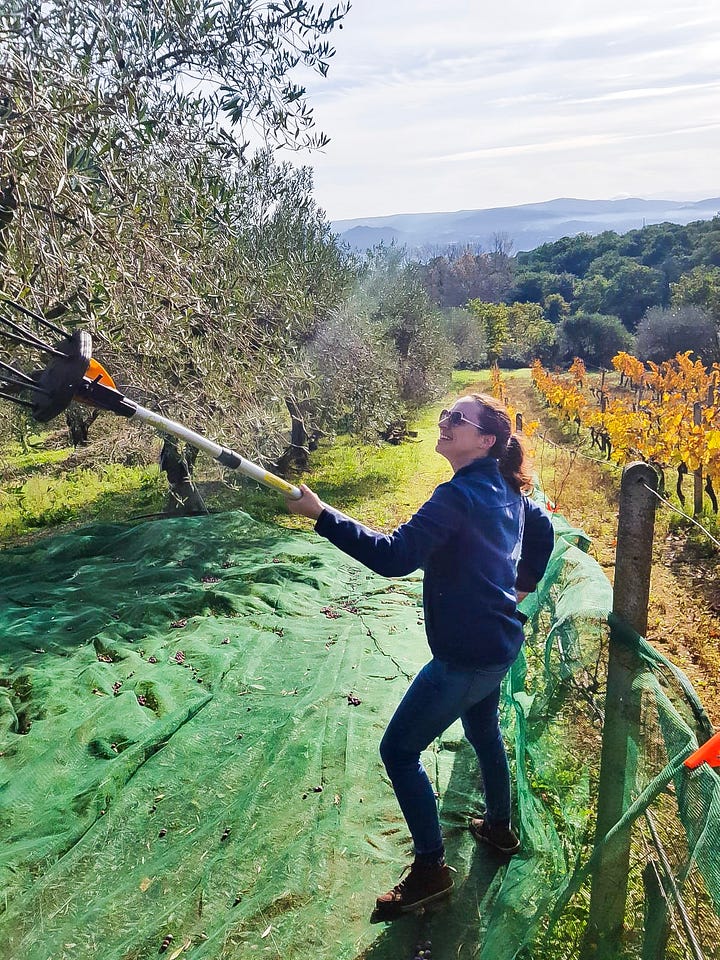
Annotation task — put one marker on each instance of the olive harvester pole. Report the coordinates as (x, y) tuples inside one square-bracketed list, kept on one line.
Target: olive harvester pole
[(225, 456), (73, 374)]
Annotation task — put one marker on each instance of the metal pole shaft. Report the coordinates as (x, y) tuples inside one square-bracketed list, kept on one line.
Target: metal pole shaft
[(228, 458), (631, 592)]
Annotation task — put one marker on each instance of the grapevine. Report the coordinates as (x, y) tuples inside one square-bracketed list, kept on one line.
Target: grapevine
[(651, 416), (499, 391)]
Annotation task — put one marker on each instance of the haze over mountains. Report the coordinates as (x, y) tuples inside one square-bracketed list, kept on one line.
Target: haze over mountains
[(527, 225)]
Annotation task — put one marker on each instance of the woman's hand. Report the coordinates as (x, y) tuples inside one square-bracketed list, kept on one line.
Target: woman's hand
[(309, 505)]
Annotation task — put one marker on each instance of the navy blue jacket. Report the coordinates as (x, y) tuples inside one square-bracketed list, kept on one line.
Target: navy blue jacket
[(477, 540)]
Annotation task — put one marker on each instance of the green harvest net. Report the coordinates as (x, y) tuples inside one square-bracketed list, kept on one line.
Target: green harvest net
[(189, 719)]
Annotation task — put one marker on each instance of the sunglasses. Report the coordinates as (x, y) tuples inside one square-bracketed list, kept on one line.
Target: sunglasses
[(455, 418)]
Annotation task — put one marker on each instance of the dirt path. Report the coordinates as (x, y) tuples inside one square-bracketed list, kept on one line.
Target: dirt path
[(684, 612)]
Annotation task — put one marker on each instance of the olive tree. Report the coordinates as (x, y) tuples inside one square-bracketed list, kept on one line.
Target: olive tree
[(398, 304), (380, 354), (467, 335), (129, 199), (169, 73)]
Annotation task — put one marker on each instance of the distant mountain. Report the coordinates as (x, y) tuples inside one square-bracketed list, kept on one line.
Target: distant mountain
[(527, 225)]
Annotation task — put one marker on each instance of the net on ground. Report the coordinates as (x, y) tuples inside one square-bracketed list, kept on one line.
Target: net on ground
[(189, 719)]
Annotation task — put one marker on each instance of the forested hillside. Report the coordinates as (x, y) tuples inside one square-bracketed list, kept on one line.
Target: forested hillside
[(618, 274), (660, 284)]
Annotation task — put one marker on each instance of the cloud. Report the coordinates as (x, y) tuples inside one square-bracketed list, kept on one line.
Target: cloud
[(443, 48), (585, 142), (648, 92)]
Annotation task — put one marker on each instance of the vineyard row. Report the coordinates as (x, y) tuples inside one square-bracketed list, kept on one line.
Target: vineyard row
[(667, 414)]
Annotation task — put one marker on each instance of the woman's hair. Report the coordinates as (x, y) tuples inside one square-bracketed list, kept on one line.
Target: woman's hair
[(507, 449)]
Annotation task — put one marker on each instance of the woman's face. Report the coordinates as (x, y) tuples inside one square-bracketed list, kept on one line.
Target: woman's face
[(462, 442)]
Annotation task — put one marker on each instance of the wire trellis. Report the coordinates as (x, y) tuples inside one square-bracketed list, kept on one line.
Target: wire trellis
[(682, 513)]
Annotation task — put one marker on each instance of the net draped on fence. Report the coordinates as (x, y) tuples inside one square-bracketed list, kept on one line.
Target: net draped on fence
[(189, 719)]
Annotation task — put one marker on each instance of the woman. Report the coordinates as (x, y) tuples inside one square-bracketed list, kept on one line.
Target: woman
[(481, 544)]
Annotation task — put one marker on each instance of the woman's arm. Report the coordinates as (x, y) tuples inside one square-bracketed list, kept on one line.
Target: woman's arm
[(537, 545), (395, 554)]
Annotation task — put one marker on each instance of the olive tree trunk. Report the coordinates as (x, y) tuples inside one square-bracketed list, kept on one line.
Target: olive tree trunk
[(183, 497)]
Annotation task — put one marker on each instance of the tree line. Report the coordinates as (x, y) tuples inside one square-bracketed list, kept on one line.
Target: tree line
[(655, 290)]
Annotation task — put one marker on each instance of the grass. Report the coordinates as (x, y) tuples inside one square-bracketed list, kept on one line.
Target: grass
[(38, 494), (379, 484)]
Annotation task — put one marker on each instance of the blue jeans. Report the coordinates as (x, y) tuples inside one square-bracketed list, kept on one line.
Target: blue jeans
[(437, 697)]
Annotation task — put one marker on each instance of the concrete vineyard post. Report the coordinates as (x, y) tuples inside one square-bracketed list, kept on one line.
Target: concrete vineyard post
[(631, 592)]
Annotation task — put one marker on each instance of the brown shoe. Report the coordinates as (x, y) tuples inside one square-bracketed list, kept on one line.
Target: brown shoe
[(422, 885), (503, 839)]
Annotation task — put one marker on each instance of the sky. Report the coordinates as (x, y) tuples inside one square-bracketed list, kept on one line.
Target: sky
[(442, 105)]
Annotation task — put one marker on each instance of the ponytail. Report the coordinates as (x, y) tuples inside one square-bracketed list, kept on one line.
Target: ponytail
[(508, 449), (514, 465)]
